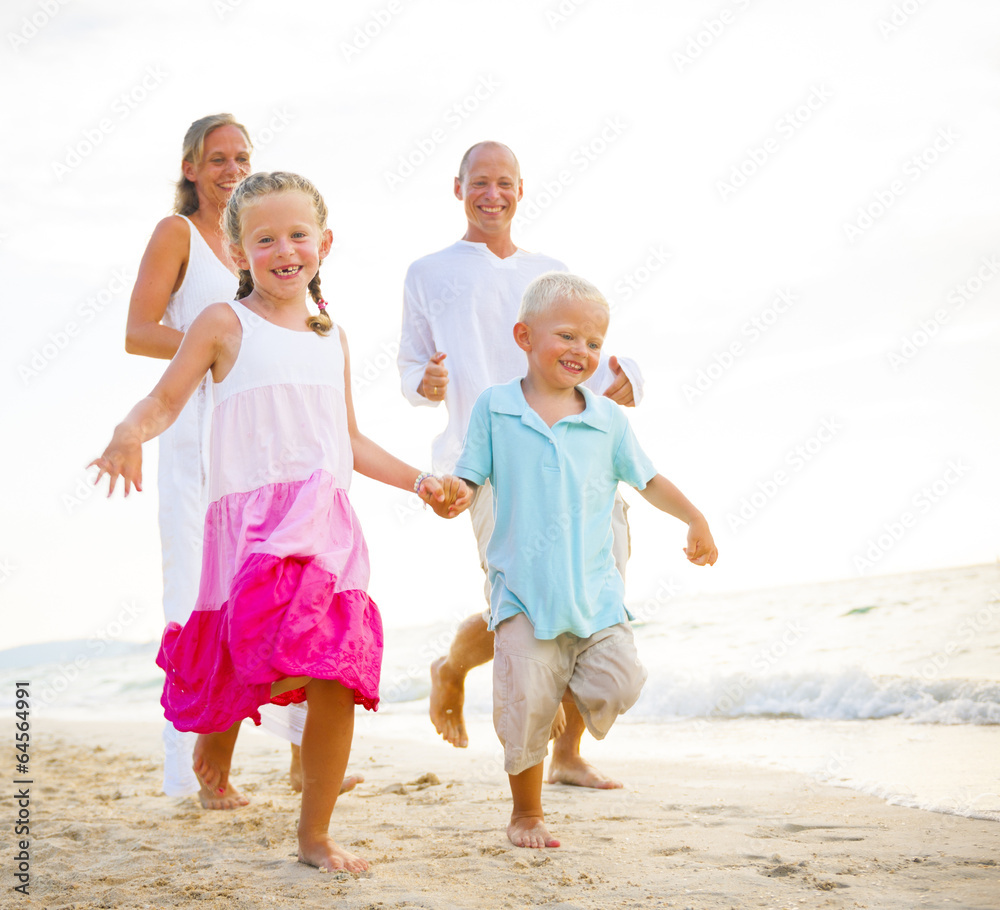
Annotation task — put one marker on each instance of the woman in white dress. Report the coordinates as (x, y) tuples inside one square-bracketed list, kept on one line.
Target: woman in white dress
[(186, 267)]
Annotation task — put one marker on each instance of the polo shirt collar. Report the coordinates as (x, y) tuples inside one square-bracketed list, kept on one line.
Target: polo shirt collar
[(509, 399)]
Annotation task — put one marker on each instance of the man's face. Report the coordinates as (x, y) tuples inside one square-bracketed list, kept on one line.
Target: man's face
[(490, 190)]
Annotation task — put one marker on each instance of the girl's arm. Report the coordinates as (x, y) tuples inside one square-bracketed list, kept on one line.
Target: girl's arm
[(211, 342), (700, 549), (160, 274), (448, 496)]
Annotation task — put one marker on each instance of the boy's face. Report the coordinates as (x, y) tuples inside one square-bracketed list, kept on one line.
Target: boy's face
[(563, 344)]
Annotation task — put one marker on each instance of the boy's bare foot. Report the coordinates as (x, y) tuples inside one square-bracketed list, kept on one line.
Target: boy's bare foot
[(558, 724), (329, 856), (530, 831), (295, 774), (579, 773), (447, 700)]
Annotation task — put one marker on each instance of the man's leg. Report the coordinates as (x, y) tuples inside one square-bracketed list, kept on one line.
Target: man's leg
[(471, 647)]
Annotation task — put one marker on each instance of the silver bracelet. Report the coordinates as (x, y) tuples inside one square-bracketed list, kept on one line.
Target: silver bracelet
[(421, 478)]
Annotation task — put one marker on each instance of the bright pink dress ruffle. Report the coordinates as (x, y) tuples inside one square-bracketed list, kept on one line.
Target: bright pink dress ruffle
[(272, 606)]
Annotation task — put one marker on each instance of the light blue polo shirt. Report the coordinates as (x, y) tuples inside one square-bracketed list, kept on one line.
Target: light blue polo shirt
[(553, 494)]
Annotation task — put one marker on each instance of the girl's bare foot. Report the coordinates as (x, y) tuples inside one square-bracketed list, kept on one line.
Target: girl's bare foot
[(329, 856), (530, 831)]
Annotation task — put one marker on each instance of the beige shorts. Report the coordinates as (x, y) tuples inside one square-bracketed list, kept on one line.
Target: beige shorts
[(481, 512), (531, 675)]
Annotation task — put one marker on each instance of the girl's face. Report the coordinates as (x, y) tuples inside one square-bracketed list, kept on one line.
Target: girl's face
[(225, 161), (282, 245)]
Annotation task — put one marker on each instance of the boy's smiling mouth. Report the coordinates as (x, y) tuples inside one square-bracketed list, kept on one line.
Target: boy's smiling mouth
[(572, 366)]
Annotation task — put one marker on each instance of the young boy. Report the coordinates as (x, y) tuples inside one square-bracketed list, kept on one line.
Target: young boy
[(554, 453)]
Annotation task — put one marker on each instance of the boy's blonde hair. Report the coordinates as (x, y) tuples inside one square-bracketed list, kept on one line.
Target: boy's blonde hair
[(546, 289), (251, 190), (185, 194)]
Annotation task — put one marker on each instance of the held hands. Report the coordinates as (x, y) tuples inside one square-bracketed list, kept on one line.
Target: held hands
[(620, 391), (700, 549), (448, 496), (435, 379), (122, 458)]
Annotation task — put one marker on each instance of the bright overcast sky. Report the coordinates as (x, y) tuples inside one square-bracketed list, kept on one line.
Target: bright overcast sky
[(792, 206)]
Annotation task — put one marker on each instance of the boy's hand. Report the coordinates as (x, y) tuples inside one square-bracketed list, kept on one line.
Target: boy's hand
[(701, 549), (122, 458), (448, 496)]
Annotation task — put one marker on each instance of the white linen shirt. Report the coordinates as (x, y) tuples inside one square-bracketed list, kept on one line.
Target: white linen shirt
[(463, 300)]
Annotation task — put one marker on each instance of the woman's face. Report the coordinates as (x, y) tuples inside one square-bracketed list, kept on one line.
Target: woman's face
[(224, 163)]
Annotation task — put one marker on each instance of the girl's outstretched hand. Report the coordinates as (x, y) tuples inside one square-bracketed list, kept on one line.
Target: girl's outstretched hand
[(122, 458), (700, 549), (448, 496)]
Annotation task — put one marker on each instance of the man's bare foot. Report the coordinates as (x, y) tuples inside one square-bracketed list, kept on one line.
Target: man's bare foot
[(329, 856), (558, 724), (530, 831), (295, 774), (579, 773), (447, 699)]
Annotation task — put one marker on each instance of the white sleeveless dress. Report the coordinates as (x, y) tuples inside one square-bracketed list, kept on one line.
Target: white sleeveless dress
[(183, 472), (182, 482)]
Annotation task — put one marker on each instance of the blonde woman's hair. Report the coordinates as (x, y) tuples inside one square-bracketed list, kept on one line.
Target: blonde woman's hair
[(546, 289), (251, 190), (185, 195)]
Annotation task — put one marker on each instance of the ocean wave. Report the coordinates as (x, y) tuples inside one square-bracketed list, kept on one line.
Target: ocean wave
[(847, 695)]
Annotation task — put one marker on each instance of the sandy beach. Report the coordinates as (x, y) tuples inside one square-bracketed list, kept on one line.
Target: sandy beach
[(430, 819)]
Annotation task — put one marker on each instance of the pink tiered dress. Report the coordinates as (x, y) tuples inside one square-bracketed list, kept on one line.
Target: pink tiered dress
[(285, 566)]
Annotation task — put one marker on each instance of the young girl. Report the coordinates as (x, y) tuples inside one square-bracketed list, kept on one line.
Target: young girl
[(282, 610)]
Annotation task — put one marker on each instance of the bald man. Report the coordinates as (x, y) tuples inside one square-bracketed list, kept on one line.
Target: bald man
[(459, 309)]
